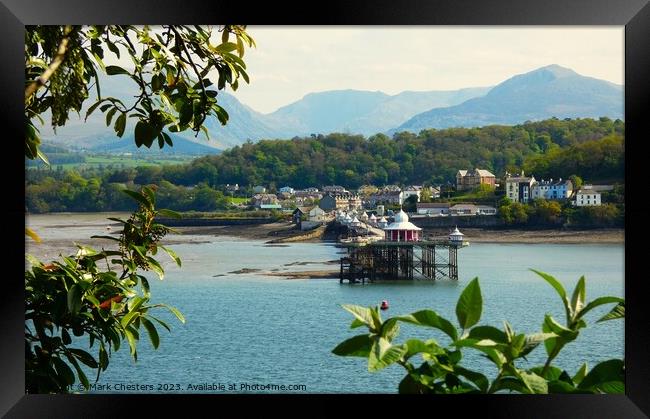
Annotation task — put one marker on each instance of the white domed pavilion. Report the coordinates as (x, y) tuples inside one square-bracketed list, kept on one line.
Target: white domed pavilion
[(402, 230), (456, 236)]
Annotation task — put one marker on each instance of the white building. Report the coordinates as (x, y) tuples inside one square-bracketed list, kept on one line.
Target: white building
[(433, 208), (410, 191), (519, 187), (586, 197), (317, 214), (287, 189), (259, 189), (547, 189)]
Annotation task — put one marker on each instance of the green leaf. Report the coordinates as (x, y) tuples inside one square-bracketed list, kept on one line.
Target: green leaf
[(153, 333), (138, 197), (470, 305), (169, 213), (487, 346), (93, 300), (356, 346), (74, 298), (155, 266), (382, 354), (598, 302), (389, 329), (65, 337), (94, 106), (533, 340), (176, 313), (168, 139), (103, 358), (431, 319), (128, 318), (226, 47), (612, 370), (162, 323), (63, 371), (551, 374), (132, 337), (146, 290), (559, 289), (578, 298), (356, 323), (488, 332), (363, 314), (580, 375), (416, 346), (114, 338), (558, 329), (185, 113), (534, 382), (82, 377), (105, 237), (84, 357), (112, 70), (109, 116), (120, 125), (618, 312), (135, 303), (475, 377), (145, 133), (612, 387)]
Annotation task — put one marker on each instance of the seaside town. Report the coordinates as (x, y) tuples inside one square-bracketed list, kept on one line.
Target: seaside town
[(373, 206)]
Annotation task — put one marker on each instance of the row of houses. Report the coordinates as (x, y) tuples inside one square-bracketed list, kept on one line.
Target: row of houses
[(524, 189), (447, 209)]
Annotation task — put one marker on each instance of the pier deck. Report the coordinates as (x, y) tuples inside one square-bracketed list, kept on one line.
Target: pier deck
[(429, 260)]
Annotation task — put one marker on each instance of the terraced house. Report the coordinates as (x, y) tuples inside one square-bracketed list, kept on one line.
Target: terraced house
[(547, 189)]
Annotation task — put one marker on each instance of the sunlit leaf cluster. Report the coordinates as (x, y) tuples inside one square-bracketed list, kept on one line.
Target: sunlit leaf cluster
[(175, 71), (441, 369), (100, 297)]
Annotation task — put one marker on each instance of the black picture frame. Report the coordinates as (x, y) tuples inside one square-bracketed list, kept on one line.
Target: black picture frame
[(633, 14)]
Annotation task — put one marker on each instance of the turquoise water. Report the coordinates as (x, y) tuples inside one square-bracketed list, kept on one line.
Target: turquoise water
[(256, 329)]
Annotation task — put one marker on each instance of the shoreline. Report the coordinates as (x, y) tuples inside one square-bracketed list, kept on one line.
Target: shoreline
[(473, 235), (51, 246)]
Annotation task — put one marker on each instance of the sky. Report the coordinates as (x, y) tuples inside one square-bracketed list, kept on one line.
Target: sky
[(290, 62)]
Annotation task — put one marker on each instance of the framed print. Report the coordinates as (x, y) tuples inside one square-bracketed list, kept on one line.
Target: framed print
[(450, 177)]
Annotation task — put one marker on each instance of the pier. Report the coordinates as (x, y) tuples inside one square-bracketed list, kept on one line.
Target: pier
[(381, 260), (400, 254)]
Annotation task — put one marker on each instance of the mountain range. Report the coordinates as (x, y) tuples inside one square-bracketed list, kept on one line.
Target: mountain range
[(551, 91)]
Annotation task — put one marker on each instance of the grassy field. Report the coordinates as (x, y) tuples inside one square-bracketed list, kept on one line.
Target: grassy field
[(123, 161), (239, 200)]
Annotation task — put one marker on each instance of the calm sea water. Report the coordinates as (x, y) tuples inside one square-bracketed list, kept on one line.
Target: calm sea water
[(255, 329)]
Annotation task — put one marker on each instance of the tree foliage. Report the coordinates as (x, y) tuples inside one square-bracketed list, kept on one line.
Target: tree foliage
[(171, 68), (97, 295), (441, 370), (430, 157)]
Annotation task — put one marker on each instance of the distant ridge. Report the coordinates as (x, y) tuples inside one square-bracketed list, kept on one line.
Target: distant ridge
[(551, 91)]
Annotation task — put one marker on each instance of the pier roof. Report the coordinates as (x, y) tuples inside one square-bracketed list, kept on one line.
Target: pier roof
[(402, 223)]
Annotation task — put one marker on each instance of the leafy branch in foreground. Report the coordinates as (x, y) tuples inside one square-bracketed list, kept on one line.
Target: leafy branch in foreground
[(441, 370), (171, 69), (95, 295)]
